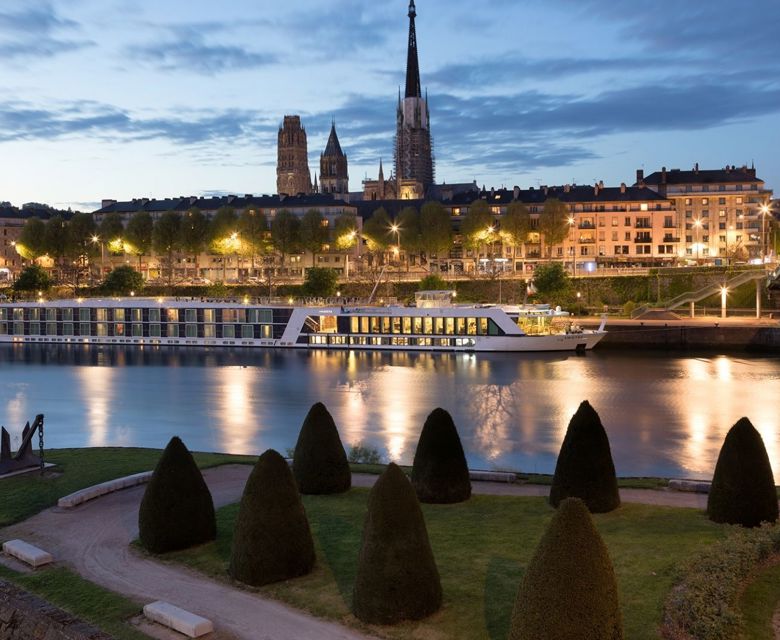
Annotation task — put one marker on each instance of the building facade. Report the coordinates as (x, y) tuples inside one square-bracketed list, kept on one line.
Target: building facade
[(292, 166)]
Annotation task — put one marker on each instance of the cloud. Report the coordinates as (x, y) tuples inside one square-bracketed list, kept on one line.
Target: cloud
[(35, 33)]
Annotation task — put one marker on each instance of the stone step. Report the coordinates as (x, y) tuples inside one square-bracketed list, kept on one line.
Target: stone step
[(178, 619), (27, 553), (95, 491)]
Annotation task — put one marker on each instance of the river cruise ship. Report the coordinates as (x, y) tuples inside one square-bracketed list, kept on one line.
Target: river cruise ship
[(434, 323)]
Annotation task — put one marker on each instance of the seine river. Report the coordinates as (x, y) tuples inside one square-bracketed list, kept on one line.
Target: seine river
[(666, 414)]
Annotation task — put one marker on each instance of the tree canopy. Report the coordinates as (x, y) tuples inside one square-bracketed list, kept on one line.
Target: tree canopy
[(553, 223)]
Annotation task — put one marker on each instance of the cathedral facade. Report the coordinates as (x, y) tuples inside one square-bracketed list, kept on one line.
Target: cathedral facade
[(292, 166)]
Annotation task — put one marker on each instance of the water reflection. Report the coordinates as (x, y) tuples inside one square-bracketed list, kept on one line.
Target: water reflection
[(665, 415)]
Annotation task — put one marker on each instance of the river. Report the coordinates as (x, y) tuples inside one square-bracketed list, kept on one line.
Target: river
[(666, 414)]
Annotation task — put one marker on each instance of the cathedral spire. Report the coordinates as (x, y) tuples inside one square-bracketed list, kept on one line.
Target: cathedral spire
[(412, 66)]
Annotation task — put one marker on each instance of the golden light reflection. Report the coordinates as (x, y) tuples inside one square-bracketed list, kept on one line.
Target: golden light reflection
[(97, 391), (237, 422)]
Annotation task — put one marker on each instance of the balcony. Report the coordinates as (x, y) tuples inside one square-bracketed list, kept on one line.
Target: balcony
[(669, 238), (643, 239), (587, 240), (584, 224), (643, 225)]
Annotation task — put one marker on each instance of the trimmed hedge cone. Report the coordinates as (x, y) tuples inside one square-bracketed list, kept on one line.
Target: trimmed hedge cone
[(439, 472), (743, 487), (176, 511), (320, 462), (397, 578), (271, 540), (569, 591), (584, 468)]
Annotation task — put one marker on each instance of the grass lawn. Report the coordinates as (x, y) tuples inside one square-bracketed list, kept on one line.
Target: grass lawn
[(482, 548), (758, 602), (97, 606)]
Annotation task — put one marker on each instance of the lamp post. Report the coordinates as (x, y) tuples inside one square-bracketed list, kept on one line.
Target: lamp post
[(95, 240), (396, 229), (697, 225), (570, 221), (235, 243), (764, 212)]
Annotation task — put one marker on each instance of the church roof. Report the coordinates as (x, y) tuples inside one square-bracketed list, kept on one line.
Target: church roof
[(333, 148)]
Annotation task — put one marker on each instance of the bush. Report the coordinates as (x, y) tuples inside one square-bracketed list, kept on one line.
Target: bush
[(439, 472), (176, 511), (319, 460), (569, 590), (551, 280), (743, 487), (704, 603), (432, 283), (363, 454), (32, 278), (122, 280), (584, 468), (397, 578), (320, 282), (272, 540)]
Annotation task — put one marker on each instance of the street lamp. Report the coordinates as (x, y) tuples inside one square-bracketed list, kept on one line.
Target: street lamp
[(396, 229), (95, 240), (570, 221), (765, 210), (697, 224)]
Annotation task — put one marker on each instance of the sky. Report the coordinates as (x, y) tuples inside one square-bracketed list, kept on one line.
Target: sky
[(162, 98)]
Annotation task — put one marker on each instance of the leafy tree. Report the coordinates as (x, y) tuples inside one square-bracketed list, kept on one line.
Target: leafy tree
[(377, 231), (55, 237), (584, 468), (111, 230), (743, 487), (435, 230), (440, 474), (81, 230), (176, 511), (515, 227), (551, 280), (397, 578), (122, 280), (553, 223), (345, 232), (32, 278), (195, 234), (320, 463), (569, 590), (320, 282), (409, 235), (313, 232), (432, 283), (285, 232), (253, 229), (139, 234), (32, 240), (271, 540), (224, 236), (165, 238), (477, 227)]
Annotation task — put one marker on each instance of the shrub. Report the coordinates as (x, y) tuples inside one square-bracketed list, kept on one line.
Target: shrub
[(432, 282), (569, 590), (176, 511), (439, 472), (122, 280), (397, 578), (320, 282), (272, 540), (363, 454), (584, 468), (319, 460), (743, 487), (32, 278)]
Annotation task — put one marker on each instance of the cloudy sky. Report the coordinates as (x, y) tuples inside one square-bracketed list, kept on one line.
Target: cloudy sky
[(132, 98)]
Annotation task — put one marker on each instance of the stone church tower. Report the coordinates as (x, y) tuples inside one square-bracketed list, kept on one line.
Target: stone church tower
[(292, 166), (413, 141), (334, 177)]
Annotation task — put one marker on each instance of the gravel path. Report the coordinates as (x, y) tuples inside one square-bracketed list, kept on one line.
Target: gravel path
[(94, 540)]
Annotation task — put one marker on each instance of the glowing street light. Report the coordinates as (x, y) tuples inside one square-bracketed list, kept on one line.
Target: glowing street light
[(570, 222), (396, 229), (95, 239), (697, 224), (765, 211)]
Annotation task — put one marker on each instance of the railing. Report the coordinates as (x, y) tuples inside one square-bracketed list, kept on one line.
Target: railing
[(712, 289)]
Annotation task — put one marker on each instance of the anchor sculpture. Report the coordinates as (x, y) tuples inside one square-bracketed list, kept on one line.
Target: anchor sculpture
[(24, 458)]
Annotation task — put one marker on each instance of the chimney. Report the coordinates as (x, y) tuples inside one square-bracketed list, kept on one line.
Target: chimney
[(663, 175), (516, 193), (106, 203), (640, 176), (544, 188), (596, 189), (696, 168), (622, 187), (566, 188), (601, 184)]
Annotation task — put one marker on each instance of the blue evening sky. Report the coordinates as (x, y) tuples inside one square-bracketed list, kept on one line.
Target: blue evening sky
[(141, 98)]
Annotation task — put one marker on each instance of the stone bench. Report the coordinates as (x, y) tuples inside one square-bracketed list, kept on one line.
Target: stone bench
[(27, 553), (178, 619), (691, 486), (95, 491), (492, 476)]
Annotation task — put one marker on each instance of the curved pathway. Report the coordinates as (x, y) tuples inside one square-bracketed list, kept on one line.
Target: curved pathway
[(94, 540)]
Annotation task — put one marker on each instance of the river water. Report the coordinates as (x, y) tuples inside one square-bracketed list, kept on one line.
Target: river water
[(665, 414)]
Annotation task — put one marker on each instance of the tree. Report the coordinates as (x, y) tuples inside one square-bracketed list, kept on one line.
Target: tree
[(551, 280), (477, 227), (397, 578), (515, 227), (432, 283), (408, 224), (176, 511), (55, 238), (139, 234), (111, 230), (743, 487), (569, 589), (440, 474), (194, 234), (271, 540), (123, 280), (32, 240), (165, 238), (224, 236), (435, 230), (314, 233), (320, 282), (553, 223), (32, 278), (80, 247), (345, 232), (285, 232), (377, 231), (584, 468), (320, 462), (253, 229)]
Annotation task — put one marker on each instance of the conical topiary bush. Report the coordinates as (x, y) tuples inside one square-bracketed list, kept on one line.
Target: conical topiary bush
[(177, 510), (397, 578), (569, 590), (319, 462), (439, 472), (743, 487), (584, 468), (271, 540)]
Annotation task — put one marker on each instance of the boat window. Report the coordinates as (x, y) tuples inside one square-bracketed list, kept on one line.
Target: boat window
[(417, 325), (35, 314), (209, 330), (228, 331), (173, 330), (67, 315), (328, 324), (101, 315), (208, 315), (407, 324), (424, 342), (396, 324), (119, 329), (171, 314), (3, 328), (51, 315), (119, 315), (67, 329), (472, 326), (190, 315), (483, 326), (18, 314), (438, 326), (136, 315), (35, 328), (494, 329), (84, 315), (427, 326), (228, 315), (155, 315), (247, 331), (3, 314), (18, 328), (385, 324), (51, 328), (375, 324), (266, 331), (138, 329), (190, 329), (155, 332), (354, 324), (240, 315), (85, 329), (102, 329), (363, 324), (449, 326), (460, 326)]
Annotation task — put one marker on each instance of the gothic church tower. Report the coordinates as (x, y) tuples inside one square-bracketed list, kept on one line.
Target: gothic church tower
[(413, 142), (292, 165), (334, 177)]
